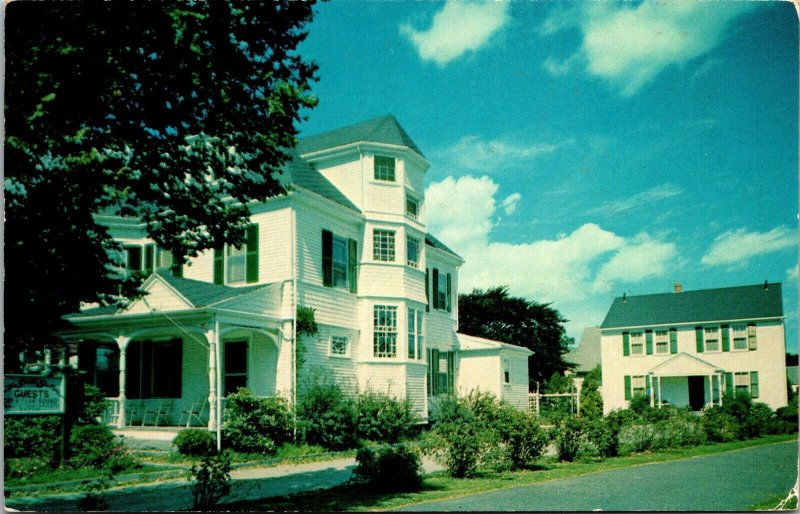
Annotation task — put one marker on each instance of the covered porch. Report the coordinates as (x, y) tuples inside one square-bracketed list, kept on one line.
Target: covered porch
[(172, 357), (686, 381)]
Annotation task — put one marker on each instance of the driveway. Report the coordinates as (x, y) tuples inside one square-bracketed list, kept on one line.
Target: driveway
[(728, 481)]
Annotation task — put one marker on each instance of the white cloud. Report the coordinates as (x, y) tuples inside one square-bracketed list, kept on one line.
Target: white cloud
[(574, 270), (510, 203), (737, 247), (792, 274), (629, 45), (458, 28), (473, 153), (643, 199)]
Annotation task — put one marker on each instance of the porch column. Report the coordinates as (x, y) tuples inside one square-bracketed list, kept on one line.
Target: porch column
[(658, 378), (122, 343), (711, 390), (211, 337)]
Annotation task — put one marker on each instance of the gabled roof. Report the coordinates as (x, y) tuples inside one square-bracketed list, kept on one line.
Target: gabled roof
[(204, 294), (727, 303), (587, 355), (435, 243), (385, 129), (683, 365), (299, 173)]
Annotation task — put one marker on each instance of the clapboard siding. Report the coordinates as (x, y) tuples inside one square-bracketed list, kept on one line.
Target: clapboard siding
[(318, 358), (311, 221), (331, 306), (415, 389), (385, 378)]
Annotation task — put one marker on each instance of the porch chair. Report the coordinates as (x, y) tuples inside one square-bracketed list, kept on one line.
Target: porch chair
[(158, 410), (133, 411), (194, 412)]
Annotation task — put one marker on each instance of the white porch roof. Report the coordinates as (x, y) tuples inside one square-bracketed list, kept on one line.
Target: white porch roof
[(473, 343), (684, 365)]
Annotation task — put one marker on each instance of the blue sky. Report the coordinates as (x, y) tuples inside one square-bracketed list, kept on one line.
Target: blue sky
[(584, 150)]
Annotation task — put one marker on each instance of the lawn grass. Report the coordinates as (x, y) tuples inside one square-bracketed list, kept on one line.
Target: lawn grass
[(286, 454), (439, 486), (773, 501)]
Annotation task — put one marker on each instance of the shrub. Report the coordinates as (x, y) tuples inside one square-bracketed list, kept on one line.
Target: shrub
[(569, 438), (384, 419), (448, 408), (524, 439), (328, 417), (640, 405), (36, 436), (256, 425), (720, 426), (787, 417), (603, 436), (211, 480), (195, 442), (390, 468), (96, 446), (461, 446), (94, 405), (636, 438), (760, 420)]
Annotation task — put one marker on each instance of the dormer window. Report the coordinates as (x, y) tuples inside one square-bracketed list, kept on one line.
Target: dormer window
[(412, 207), (238, 265), (139, 258), (384, 168)]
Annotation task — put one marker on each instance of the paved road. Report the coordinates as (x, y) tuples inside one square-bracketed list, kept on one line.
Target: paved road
[(727, 481)]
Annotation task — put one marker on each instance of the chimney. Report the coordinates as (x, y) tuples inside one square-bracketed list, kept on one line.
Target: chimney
[(624, 298), (678, 287), (766, 285)]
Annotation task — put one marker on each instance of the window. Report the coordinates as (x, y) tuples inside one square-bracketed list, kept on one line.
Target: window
[(384, 168), (383, 245), (637, 343), (506, 372), (238, 265), (739, 337), (339, 346), (638, 385), (662, 341), (165, 260), (384, 342), (154, 369), (741, 382), (441, 372), (412, 207), (235, 366), (442, 288), (412, 252), (101, 364), (751, 337), (711, 338), (339, 261), (139, 258), (415, 334)]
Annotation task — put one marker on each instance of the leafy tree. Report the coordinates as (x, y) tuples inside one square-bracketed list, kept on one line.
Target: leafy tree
[(494, 314), (178, 113)]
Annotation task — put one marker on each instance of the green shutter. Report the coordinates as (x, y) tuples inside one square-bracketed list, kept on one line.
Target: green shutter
[(448, 304), (427, 290), (649, 341), (451, 372), (429, 381), (729, 383), (698, 331), (434, 366), (149, 257), (626, 344), (252, 254), (751, 337), (352, 264), (647, 384), (219, 266), (754, 384), (673, 341), (327, 258), (435, 288), (726, 338), (627, 387)]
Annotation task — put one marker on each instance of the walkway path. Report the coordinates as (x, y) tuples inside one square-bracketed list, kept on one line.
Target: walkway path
[(728, 481)]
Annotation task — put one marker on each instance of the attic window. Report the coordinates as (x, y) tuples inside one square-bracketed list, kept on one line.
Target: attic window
[(384, 168)]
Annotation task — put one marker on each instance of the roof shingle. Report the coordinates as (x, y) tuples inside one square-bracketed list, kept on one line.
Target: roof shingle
[(384, 129), (727, 303)]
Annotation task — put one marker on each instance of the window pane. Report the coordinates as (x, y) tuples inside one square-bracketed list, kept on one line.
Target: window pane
[(134, 258), (413, 252), (384, 168), (236, 264), (339, 262), (236, 357), (412, 207), (383, 245), (384, 331), (338, 345)]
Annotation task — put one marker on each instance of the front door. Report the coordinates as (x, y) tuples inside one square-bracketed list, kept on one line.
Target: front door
[(697, 394)]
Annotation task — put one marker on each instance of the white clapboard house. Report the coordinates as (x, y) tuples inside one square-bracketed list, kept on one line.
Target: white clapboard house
[(349, 241), (688, 348)]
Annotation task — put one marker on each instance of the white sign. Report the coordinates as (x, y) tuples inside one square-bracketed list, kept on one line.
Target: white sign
[(33, 394)]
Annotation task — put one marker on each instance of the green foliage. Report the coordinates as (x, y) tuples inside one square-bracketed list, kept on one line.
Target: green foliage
[(570, 438), (448, 408), (104, 101), (494, 314), (211, 480), (720, 426), (96, 446), (603, 436), (327, 417), (389, 468), (95, 498), (787, 416), (524, 439), (256, 425), (384, 419), (306, 326), (640, 404), (461, 446), (94, 405), (591, 399), (195, 442), (32, 436)]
